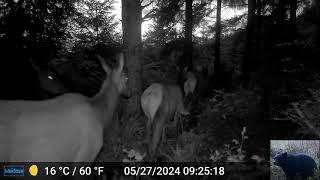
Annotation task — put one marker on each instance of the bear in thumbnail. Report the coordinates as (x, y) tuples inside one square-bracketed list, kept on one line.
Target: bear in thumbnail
[(295, 164)]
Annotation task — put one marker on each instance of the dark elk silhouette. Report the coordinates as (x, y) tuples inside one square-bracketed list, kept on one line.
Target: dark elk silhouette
[(49, 83), (54, 80), (79, 80)]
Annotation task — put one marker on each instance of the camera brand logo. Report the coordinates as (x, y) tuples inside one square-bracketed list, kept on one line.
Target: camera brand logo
[(13, 171)]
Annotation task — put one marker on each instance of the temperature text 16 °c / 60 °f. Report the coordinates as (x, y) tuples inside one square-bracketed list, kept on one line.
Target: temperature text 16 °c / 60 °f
[(73, 171)]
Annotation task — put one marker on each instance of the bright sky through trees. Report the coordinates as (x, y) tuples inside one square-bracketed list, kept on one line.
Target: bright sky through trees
[(226, 13)]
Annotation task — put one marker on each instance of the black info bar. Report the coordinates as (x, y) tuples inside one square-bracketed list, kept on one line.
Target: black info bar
[(109, 170)]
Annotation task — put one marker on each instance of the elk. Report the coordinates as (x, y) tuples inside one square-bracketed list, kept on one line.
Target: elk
[(160, 103), (67, 128), (189, 85), (48, 82), (77, 79)]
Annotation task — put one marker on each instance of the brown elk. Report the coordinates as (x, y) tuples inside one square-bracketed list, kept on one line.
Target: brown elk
[(160, 103), (67, 128), (190, 84)]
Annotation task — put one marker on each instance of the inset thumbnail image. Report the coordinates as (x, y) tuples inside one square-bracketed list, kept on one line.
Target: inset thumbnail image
[(294, 159)]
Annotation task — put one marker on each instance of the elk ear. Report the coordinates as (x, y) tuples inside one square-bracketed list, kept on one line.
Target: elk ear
[(121, 62), (105, 67), (185, 70)]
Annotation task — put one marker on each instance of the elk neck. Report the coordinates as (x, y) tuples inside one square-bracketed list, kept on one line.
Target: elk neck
[(106, 101)]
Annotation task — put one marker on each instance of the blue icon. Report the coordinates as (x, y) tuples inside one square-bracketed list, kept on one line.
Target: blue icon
[(13, 171)]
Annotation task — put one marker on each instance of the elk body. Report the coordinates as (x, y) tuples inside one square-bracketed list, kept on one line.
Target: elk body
[(160, 103), (68, 128)]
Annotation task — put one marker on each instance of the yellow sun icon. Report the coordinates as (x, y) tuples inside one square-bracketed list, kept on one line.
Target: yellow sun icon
[(33, 170)]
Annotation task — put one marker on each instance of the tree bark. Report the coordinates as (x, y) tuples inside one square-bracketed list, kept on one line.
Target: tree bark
[(258, 33), (217, 61), (131, 26), (316, 6), (188, 34), (186, 60), (247, 60), (293, 19)]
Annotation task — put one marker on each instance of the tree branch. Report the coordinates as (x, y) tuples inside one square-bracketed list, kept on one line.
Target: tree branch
[(212, 17), (142, 7), (149, 15)]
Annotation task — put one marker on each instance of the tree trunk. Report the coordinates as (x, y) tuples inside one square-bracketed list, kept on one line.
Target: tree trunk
[(188, 34), (217, 63), (258, 33), (293, 19), (316, 6), (248, 54), (258, 25), (186, 60), (131, 26)]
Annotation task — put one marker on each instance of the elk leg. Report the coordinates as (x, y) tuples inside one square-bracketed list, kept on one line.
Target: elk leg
[(156, 136), (148, 136), (163, 134), (178, 124)]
